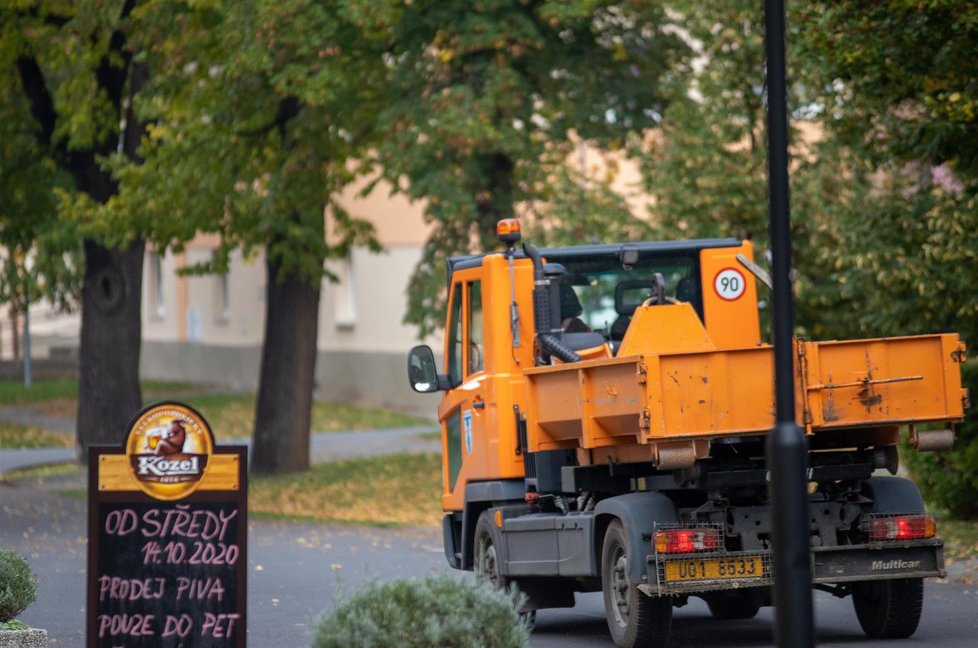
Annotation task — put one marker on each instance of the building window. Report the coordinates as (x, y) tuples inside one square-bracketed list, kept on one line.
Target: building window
[(157, 301), (222, 299), (346, 297)]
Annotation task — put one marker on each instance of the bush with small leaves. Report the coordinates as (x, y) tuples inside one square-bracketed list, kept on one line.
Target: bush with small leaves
[(442, 610), (18, 586), (949, 480)]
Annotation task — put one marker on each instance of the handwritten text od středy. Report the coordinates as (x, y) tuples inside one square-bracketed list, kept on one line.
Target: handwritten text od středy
[(179, 522)]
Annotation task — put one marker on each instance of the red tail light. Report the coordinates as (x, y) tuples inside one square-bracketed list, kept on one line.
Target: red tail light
[(686, 540), (902, 527)]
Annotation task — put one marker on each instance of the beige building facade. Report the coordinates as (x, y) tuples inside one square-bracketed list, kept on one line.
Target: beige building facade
[(210, 328)]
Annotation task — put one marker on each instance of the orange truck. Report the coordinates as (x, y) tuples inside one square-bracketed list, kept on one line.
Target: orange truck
[(603, 425)]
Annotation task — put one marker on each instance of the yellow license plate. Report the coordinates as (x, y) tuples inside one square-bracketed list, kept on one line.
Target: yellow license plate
[(692, 569)]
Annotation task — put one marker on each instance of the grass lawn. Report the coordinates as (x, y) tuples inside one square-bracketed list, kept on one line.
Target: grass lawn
[(231, 416), (13, 435), (40, 472), (374, 491), (391, 490), (13, 392)]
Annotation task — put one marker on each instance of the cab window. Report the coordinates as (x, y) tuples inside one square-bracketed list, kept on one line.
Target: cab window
[(455, 339), (475, 328)]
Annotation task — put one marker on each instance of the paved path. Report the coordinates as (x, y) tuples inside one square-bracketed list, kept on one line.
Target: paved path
[(21, 458), (298, 570), (31, 417)]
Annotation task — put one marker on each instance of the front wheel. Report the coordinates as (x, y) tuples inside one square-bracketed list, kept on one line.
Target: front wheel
[(487, 563), (634, 619), (889, 609)]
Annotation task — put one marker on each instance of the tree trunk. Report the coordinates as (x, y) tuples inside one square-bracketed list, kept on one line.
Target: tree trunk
[(108, 386), (283, 414), (497, 197)]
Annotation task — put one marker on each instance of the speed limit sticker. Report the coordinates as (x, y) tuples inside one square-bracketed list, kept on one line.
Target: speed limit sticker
[(729, 284)]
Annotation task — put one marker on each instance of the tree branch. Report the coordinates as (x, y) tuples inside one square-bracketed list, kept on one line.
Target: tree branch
[(288, 108), (41, 101)]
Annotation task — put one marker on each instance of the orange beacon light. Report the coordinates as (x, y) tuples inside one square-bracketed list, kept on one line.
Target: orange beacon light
[(508, 231)]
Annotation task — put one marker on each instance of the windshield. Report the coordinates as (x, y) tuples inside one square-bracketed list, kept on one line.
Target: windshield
[(607, 292)]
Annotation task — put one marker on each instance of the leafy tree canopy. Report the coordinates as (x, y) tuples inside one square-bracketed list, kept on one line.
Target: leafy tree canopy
[(484, 95), (59, 63), (256, 112), (898, 76), (707, 164), (894, 89)]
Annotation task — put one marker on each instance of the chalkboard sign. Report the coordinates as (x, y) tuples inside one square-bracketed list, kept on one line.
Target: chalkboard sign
[(167, 549)]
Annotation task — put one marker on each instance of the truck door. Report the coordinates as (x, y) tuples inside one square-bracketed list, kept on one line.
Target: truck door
[(462, 411)]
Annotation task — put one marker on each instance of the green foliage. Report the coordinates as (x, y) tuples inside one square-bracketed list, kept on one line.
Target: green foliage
[(257, 110), (42, 258), (892, 88), (14, 625), (948, 479), (18, 585), (707, 164), (706, 167), (883, 198), (576, 210), (438, 610), (897, 76), (484, 97)]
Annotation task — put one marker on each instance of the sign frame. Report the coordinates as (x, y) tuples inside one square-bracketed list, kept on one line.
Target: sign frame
[(101, 493)]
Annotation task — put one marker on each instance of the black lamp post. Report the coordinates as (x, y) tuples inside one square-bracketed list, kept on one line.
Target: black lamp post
[(787, 456)]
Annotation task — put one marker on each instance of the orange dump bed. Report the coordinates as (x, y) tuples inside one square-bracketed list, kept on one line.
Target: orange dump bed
[(671, 391)]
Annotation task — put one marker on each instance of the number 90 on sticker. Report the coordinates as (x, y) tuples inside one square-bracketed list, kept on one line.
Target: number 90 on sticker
[(729, 284)]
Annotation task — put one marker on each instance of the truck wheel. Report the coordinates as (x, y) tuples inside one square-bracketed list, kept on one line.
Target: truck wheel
[(889, 609), (487, 562), (486, 556), (634, 619), (728, 607)]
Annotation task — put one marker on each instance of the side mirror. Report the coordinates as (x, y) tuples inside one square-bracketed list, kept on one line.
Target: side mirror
[(422, 372)]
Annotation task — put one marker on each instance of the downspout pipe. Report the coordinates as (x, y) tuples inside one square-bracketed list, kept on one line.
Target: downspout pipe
[(549, 342)]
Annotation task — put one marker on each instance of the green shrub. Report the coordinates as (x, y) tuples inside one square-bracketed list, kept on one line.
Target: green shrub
[(13, 625), (18, 586), (439, 610), (949, 480)]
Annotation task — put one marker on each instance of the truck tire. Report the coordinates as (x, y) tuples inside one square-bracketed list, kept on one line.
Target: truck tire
[(889, 609), (634, 619), (487, 561), (733, 605)]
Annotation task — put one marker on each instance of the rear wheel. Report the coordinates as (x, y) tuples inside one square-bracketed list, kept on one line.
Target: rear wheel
[(889, 609), (487, 562), (634, 619)]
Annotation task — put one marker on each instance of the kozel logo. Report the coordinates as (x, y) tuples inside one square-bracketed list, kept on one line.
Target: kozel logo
[(168, 447)]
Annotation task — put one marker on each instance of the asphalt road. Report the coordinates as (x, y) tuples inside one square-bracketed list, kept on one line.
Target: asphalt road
[(296, 570)]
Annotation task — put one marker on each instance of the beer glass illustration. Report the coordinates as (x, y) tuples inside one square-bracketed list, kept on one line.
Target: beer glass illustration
[(153, 438)]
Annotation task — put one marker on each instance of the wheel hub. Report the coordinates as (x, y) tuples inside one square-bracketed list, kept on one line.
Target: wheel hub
[(620, 587)]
